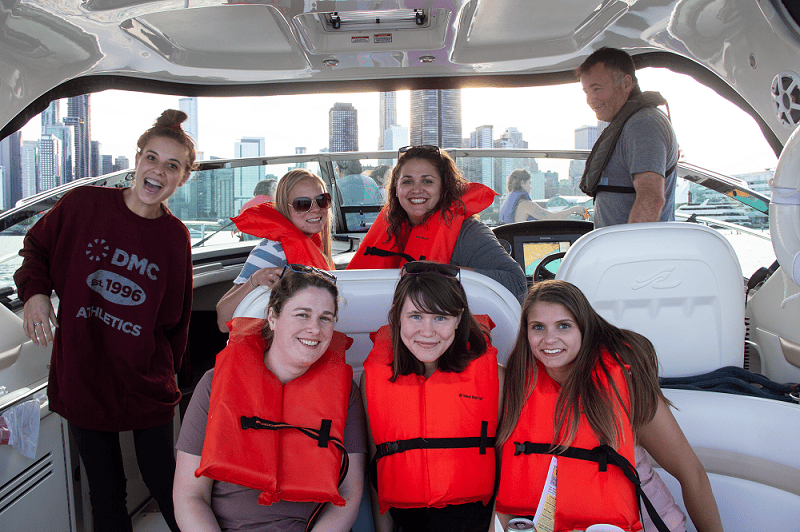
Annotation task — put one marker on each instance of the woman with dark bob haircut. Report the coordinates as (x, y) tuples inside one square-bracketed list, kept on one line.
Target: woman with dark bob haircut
[(431, 214), (582, 393), (431, 389)]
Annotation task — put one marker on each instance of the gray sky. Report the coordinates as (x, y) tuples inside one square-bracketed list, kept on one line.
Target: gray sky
[(712, 132)]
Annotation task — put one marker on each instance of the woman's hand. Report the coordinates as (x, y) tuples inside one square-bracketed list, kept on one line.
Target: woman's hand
[(38, 314), (268, 277)]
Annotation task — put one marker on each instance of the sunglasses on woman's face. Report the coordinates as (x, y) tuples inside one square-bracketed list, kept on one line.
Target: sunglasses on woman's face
[(302, 204), (445, 270), (302, 268)]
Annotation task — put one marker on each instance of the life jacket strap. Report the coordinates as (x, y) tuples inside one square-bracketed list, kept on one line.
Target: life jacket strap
[(628, 190), (378, 252), (602, 455)]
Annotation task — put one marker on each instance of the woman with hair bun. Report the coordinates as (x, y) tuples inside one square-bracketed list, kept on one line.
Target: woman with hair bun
[(121, 266)]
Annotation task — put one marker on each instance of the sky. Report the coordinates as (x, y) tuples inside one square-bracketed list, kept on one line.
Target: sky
[(712, 132)]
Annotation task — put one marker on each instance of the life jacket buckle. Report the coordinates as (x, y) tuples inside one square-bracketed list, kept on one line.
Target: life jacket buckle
[(389, 447)]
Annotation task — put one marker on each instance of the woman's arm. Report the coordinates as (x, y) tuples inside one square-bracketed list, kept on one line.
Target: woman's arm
[(383, 523), (478, 249), (341, 518), (192, 496), (228, 303), (663, 438), (527, 208)]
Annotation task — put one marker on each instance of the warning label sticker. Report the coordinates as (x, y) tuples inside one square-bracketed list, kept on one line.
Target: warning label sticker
[(358, 39), (382, 37)]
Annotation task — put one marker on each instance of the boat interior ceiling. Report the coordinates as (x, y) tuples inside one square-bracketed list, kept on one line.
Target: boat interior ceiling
[(56, 49)]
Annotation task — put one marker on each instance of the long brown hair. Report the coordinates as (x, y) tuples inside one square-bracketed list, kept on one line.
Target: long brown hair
[(453, 187), (433, 293), (282, 195), (168, 125), (603, 408)]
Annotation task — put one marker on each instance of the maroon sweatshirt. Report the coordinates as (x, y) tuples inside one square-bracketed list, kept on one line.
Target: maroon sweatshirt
[(125, 288)]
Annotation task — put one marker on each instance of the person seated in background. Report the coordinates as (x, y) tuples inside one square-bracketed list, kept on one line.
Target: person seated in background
[(580, 394), (518, 206), (430, 214), (295, 229), (356, 189), (288, 374), (381, 174), (264, 192), (432, 375)]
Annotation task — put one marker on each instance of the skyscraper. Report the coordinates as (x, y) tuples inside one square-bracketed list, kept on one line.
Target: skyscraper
[(49, 163), (96, 166), (436, 118), (387, 118), (64, 134), (189, 106), (121, 163), (78, 116), (343, 127), (585, 137), (510, 139), (52, 115), (481, 169), (28, 162), (11, 161), (300, 150), (245, 179)]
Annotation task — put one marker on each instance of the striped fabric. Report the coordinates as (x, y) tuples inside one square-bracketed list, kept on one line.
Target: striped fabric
[(268, 253)]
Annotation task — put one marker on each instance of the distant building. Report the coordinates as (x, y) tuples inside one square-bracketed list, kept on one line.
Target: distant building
[(759, 181), (189, 106), (510, 139), (11, 161), (106, 164), (585, 137), (436, 118), (343, 127), (78, 117), (65, 134), (395, 137), (52, 115), (481, 169), (121, 163), (245, 179), (96, 167), (300, 150), (28, 163), (48, 163), (387, 117)]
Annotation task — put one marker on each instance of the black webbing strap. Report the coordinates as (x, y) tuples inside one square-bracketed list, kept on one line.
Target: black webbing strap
[(322, 436), (602, 455), (378, 252), (482, 442), (628, 190)]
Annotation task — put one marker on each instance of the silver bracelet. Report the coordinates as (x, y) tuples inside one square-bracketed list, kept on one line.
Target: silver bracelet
[(251, 282)]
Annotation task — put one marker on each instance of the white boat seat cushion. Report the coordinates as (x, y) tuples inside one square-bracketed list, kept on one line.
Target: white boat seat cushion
[(367, 296), (679, 284)]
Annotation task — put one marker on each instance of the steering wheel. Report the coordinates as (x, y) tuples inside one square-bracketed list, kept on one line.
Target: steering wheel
[(541, 273)]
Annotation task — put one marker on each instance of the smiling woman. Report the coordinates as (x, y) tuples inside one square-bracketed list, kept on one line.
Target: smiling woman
[(121, 331)]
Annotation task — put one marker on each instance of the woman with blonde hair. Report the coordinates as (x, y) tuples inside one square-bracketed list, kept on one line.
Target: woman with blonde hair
[(579, 395), (296, 230)]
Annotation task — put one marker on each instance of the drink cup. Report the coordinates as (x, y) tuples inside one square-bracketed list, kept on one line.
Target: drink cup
[(518, 524)]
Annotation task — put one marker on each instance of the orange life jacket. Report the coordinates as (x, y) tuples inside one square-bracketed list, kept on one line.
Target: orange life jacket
[(433, 240), (264, 221), (407, 417), (246, 398), (587, 492)]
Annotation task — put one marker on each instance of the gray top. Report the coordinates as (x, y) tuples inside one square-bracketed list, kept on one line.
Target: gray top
[(647, 144), (477, 248), (236, 507)]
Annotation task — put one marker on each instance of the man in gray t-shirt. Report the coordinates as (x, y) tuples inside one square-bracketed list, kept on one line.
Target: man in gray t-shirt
[(645, 151)]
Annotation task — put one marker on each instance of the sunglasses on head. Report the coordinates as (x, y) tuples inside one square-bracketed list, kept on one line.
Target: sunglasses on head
[(418, 267), (423, 147), (302, 204), (302, 268)]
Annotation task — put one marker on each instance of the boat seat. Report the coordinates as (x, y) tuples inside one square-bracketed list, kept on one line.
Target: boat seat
[(666, 281), (367, 296), (680, 285)]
